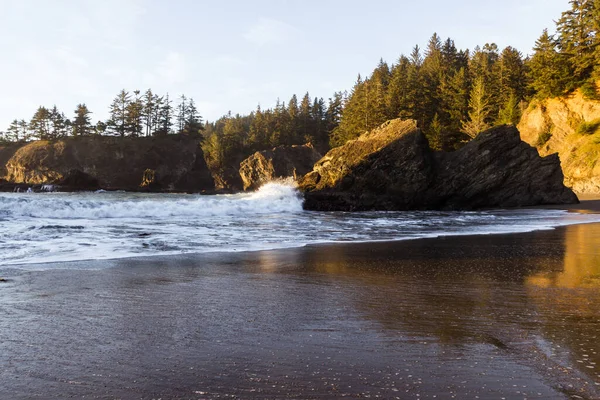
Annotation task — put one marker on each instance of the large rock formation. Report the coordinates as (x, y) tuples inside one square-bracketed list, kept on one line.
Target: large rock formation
[(567, 126), (393, 168), (280, 162), (171, 163)]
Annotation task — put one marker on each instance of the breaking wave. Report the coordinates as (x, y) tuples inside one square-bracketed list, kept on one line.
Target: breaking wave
[(44, 228), (270, 198)]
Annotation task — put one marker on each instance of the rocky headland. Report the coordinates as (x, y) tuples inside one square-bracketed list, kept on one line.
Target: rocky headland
[(170, 163), (393, 168)]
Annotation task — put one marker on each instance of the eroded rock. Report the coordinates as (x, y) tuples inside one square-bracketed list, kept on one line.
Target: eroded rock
[(280, 162), (393, 168)]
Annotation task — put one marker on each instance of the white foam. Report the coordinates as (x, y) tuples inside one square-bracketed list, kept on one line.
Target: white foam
[(59, 227), (271, 198)]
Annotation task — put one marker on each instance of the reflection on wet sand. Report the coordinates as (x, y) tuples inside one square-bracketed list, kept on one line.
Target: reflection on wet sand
[(568, 302)]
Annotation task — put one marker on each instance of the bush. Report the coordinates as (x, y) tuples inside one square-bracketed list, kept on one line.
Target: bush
[(590, 90), (543, 138), (589, 128)]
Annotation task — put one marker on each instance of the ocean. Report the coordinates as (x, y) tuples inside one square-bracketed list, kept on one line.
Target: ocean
[(46, 228)]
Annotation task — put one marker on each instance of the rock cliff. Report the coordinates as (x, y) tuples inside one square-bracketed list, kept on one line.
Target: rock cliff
[(568, 126), (171, 163), (280, 162), (393, 168)]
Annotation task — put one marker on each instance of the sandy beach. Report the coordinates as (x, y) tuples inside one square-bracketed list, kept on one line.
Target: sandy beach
[(492, 316)]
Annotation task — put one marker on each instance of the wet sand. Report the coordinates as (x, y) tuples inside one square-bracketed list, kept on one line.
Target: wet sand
[(495, 316)]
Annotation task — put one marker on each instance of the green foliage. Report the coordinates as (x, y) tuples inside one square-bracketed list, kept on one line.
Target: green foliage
[(510, 113), (543, 138), (479, 110), (589, 128), (590, 90), (82, 125)]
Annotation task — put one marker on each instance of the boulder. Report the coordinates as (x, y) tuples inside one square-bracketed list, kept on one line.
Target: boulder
[(393, 168), (280, 162), (169, 163)]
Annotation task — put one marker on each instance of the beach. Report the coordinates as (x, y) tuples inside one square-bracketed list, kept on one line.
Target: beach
[(487, 316)]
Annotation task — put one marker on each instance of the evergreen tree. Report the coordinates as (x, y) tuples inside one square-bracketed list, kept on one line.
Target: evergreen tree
[(182, 113), (397, 94), (193, 122), (13, 133), (333, 115), (58, 123), (41, 124), (577, 38), (415, 95), (134, 112), (149, 112), (509, 113), (82, 125), (479, 109), (435, 136), (549, 72), (165, 117), (306, 122), (118, 122)]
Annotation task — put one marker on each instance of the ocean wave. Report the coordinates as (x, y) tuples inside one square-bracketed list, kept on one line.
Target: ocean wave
[(274, 197)]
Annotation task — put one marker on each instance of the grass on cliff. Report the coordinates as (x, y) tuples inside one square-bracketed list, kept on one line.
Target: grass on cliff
[(589, 128), (543, 138)]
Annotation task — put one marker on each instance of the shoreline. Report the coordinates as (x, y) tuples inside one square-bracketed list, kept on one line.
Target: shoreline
[(590, 206)]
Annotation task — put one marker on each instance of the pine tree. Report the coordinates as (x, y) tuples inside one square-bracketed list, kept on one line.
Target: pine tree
[(455, 99), (41, 124), (82, 125), (13, 133), (182, 113), (318, 137), (193, 122), (397, 94), (58, 123), (134, 114), (479, 109), (512, 79), (333, 114), (355, 117), (509, 113), (118, 122), (165, 117), (577, 38), (415, 96), (149, 112), (435, 134), (306, 128), (549, 72), (25, 130), (431, 73)]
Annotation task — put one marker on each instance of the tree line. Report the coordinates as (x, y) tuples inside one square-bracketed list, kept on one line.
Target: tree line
[(131, 114)]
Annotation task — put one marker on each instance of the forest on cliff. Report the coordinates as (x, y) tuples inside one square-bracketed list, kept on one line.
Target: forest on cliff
[(453, 94)]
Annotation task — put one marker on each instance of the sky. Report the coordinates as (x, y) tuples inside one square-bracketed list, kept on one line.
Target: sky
[(230, 55)]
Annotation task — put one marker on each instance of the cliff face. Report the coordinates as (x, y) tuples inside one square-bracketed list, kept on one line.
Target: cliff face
[(171, 163), (280, 162), (393, 168), (567, 126)]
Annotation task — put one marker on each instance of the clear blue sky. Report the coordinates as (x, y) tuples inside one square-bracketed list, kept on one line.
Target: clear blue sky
[(230, 55)]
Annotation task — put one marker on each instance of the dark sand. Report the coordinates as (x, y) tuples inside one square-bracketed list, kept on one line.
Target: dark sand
[(496, 316)]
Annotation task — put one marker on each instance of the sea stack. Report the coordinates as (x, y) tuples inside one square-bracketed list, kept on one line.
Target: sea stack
[(393, 168)]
